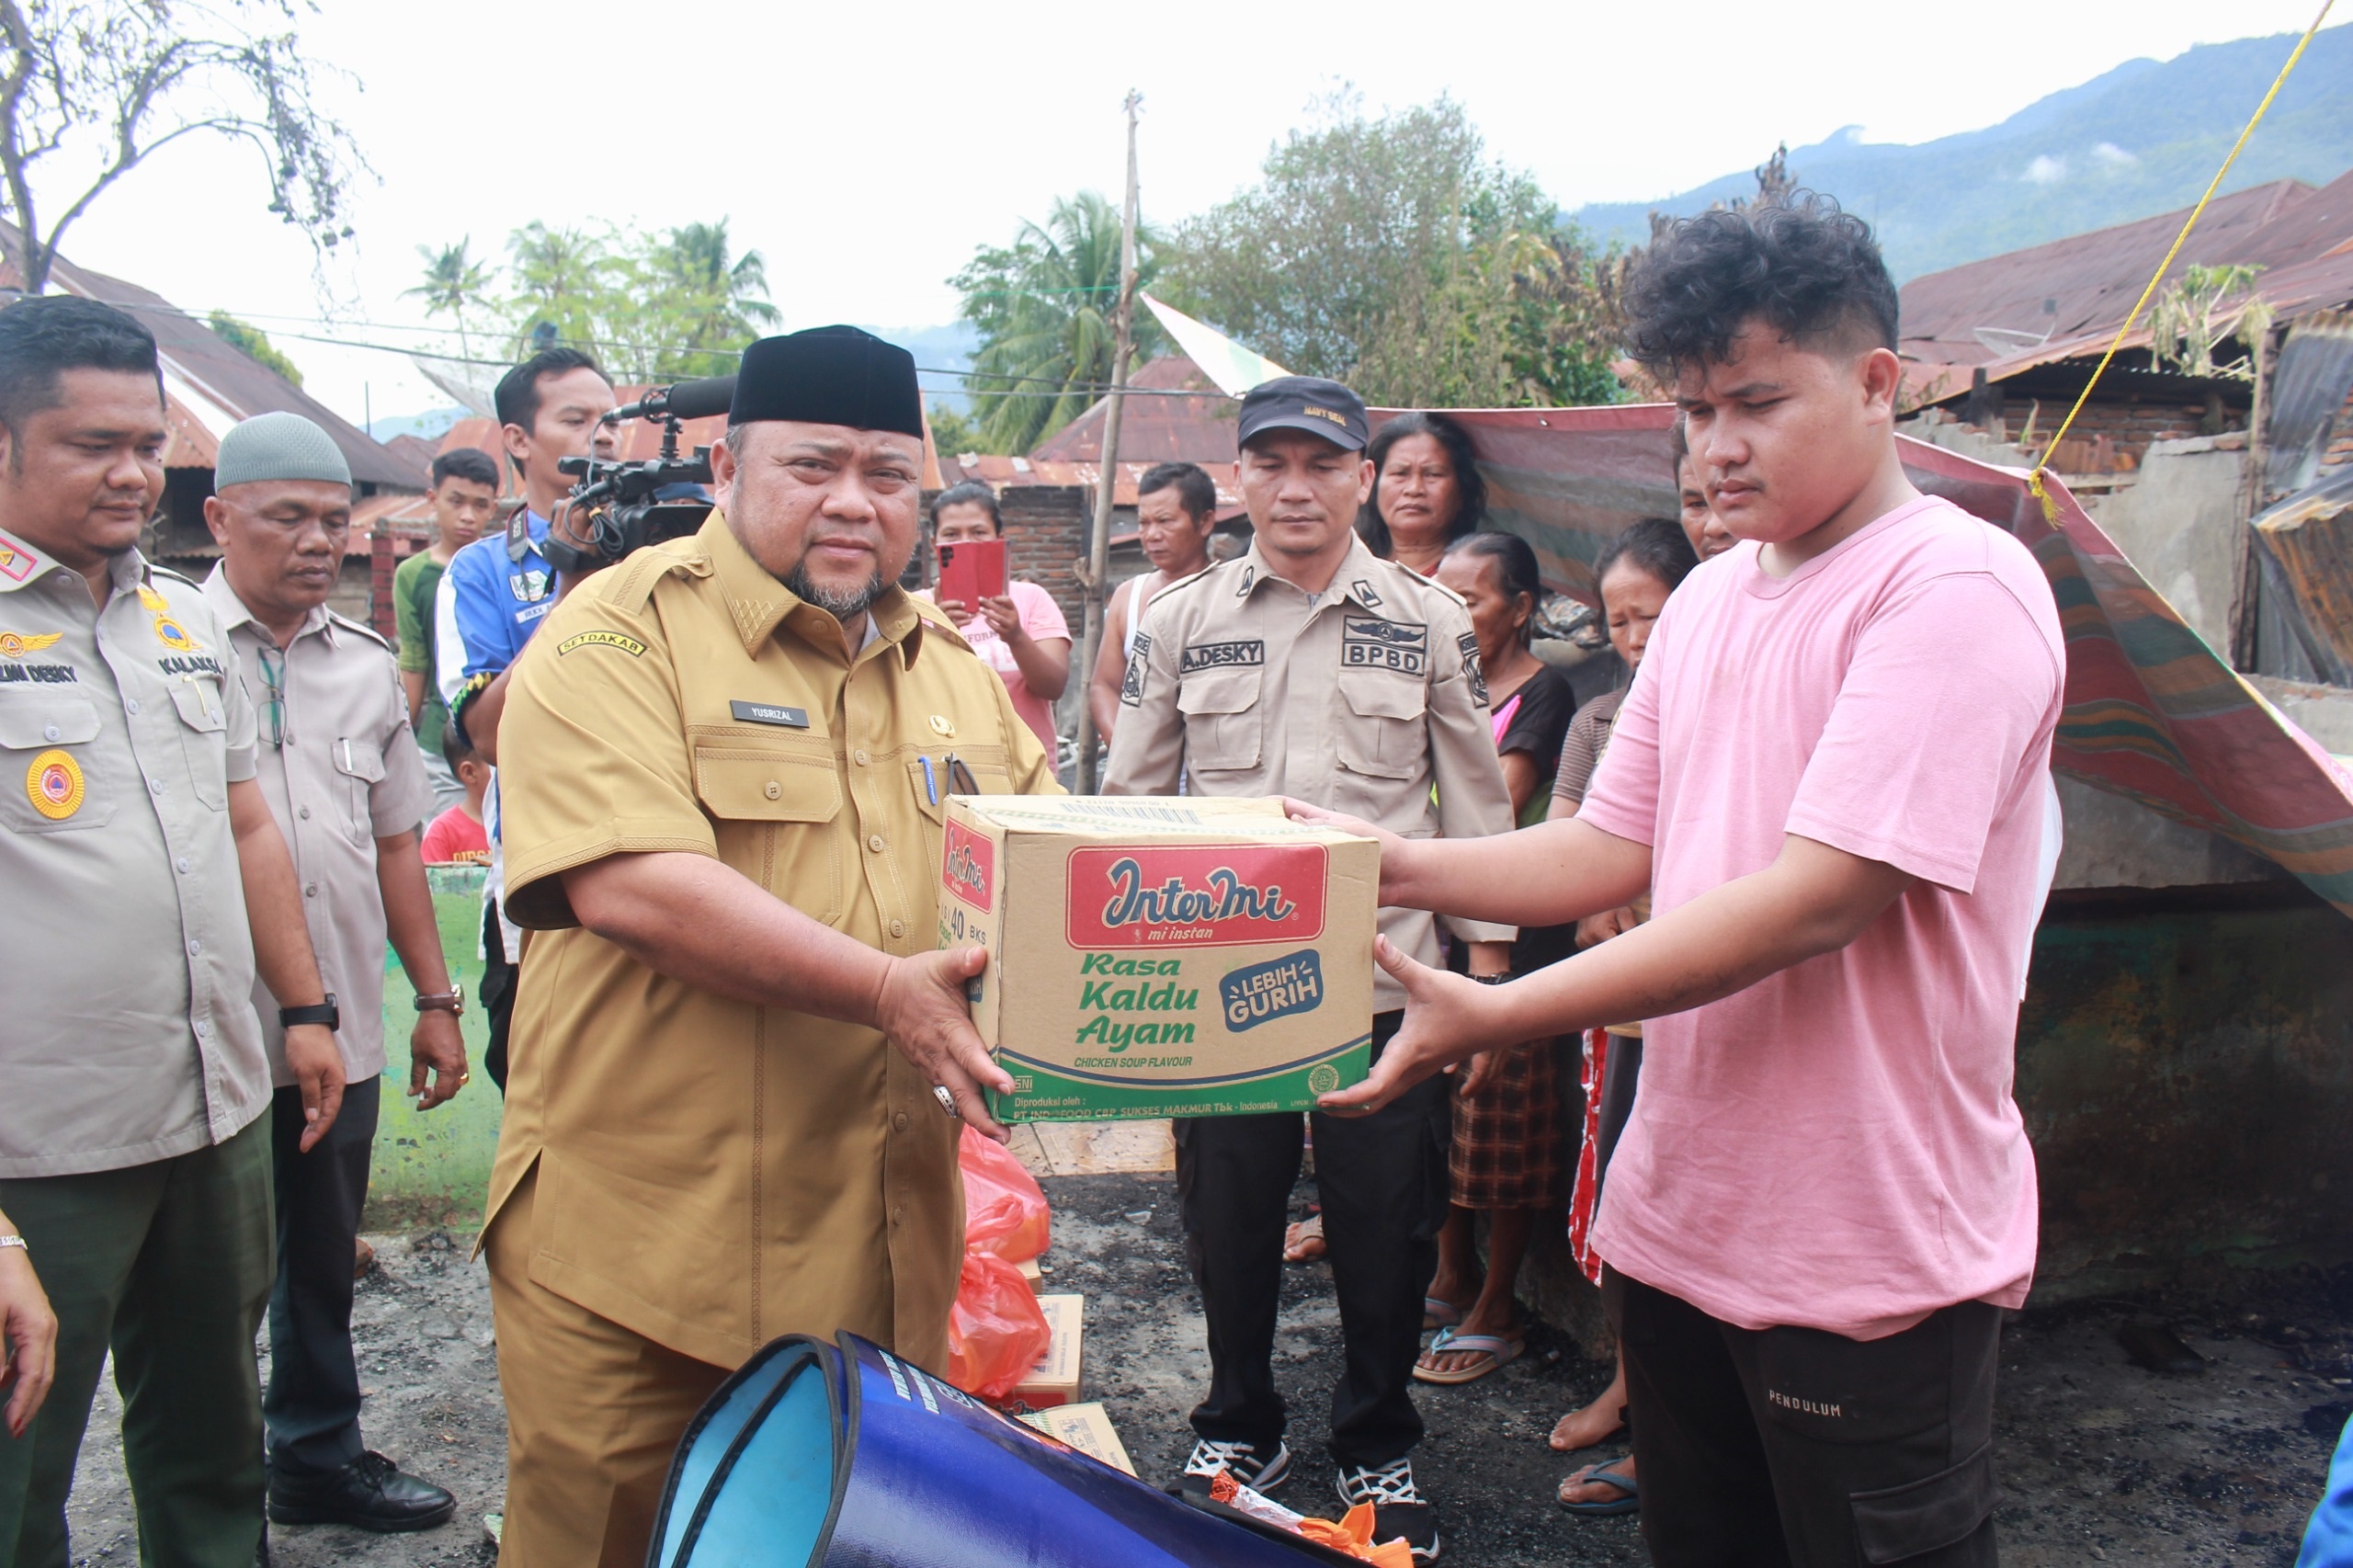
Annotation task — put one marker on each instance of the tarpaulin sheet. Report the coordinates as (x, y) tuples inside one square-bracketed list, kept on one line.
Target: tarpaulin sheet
[(2151, 712)]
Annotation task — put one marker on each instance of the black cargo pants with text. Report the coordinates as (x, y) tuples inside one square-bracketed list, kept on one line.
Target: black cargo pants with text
[(1759, 1448)]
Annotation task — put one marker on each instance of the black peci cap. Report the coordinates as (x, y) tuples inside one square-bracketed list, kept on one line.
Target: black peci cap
[(829, 375), (1305, 402)]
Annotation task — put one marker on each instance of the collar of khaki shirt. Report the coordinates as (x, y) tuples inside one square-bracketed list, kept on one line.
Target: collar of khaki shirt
[(233, 613), (759, 604), (21, 566), (1352, 579)]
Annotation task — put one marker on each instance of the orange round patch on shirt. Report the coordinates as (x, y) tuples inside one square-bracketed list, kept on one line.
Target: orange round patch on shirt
[(54, 785)]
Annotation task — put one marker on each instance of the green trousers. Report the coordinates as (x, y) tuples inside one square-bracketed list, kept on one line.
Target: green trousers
[(169, 1265)]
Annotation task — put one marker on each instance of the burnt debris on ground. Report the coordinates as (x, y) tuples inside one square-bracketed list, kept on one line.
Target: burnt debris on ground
[(2099, 1459)]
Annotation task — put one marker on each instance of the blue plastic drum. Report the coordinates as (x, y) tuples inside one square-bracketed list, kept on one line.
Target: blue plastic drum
[(811, 1457)]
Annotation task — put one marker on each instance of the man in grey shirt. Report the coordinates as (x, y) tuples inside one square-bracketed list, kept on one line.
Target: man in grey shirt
[(344, 780), (146, 887)]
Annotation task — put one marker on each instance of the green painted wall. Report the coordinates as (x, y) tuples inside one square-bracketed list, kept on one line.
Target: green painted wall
[(433, 1168)]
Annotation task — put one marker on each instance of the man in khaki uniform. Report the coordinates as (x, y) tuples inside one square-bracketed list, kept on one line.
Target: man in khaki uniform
[(146, 886), (738, 1062), (344, 782), (1311, 667)]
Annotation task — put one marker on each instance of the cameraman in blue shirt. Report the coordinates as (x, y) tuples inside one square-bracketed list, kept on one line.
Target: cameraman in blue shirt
[(492, 597)]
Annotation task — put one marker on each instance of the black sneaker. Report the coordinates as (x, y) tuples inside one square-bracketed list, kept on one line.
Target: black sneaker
[(1397, 1506), (1259, 1473), (369, 1493)]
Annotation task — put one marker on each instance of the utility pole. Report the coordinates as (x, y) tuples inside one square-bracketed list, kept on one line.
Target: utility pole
[(1099, 554)]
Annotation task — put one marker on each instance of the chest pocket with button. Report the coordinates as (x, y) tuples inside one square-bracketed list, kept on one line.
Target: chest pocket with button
[(358, 766), (47, 781), (773, 802), (204, 726), (1383, 741), (1221, 719), (992, 774)]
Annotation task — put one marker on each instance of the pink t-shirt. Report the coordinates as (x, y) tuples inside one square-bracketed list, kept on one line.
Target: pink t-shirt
[(1042, 618), (1837, 1147)]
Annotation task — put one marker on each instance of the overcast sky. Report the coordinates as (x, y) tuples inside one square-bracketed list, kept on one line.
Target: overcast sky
[(865, 151)]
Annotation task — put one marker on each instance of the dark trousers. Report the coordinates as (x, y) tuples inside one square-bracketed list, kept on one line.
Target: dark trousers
[(313, 1402), (496, 993), (1383, 1180), (1793, 1446), (168, 1265)]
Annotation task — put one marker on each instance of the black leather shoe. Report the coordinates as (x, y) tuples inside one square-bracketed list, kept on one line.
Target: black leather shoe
[(370, 1493)]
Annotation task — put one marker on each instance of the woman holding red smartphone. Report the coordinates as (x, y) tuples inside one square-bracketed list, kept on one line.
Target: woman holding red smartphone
[(1019, 629)]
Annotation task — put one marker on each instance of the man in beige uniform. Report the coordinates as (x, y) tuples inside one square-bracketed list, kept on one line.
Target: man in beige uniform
[(145, 886), (724, 760), (1311, 667), (347, 787)]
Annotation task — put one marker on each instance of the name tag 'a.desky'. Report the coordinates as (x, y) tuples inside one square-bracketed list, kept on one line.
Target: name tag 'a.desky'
[(1194, 895), (1221, 655), (1367, 642), (614, 640), (768, 713)]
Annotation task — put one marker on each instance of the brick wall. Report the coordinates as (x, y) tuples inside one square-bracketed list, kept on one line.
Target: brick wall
[(1045, 535)]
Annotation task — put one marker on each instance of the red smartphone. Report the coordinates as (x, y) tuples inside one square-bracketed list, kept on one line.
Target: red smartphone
[(971, 571)]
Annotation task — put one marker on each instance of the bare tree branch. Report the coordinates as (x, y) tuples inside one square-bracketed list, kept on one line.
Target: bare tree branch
[(91, 89)]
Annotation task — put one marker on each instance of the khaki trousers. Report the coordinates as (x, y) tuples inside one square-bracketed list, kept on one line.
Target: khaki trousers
[(593, 1414)]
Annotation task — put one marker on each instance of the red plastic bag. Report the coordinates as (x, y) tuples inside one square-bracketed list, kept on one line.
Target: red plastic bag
[(1005, 1209), (995, 1331)]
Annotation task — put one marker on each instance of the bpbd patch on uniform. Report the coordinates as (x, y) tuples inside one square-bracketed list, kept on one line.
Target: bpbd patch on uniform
[(54, 785), (1473, 671), (1139, 665), (766, 713), (629, 645), (1367, 642), (1218, 656)]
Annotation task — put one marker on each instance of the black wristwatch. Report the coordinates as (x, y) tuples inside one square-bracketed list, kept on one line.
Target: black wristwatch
[(1503, 979), (320, 1013)]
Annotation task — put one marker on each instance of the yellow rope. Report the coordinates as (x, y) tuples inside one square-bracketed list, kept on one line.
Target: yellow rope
[(2041, 463)]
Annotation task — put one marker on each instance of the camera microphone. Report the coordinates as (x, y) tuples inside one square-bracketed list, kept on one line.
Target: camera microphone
[(687, 400)]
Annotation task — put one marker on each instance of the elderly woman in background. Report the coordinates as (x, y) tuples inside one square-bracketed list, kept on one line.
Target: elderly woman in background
[(1506, 1158), (1427, 491)]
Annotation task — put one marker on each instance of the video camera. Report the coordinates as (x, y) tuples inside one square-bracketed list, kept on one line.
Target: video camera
[(624, 506)]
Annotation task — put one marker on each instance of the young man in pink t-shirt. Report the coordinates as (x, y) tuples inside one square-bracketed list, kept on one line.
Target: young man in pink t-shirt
[(1830, 772)]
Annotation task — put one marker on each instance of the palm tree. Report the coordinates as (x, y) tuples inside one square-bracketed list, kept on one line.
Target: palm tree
[(715, 304), (562, 283), (1044, 307), (454, 283)]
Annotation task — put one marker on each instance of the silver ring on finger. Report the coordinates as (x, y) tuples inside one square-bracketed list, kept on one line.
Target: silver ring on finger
[(947, 1101)]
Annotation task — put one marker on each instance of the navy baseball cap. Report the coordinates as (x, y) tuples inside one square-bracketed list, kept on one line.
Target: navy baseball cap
[(1305, 402)]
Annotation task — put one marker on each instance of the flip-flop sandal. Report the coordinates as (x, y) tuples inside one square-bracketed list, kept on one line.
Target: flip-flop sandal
[(1497, 1351), (1605, 1475), (1438, 1312), (1298, 1238)]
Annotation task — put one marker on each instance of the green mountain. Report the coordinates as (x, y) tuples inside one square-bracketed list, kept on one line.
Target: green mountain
[(2139, 140)]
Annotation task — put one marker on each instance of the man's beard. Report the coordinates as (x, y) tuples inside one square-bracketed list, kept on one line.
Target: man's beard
[(844, 604)]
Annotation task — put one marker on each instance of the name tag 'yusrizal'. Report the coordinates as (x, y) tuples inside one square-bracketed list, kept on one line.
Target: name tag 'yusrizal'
[(768, 713)]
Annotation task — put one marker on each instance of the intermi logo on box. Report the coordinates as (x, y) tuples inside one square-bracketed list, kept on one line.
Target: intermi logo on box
[(1195, 896), (968, 866)]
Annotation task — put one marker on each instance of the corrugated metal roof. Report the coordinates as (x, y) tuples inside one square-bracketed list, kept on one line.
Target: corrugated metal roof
[(2063, 300), (212, 385), (1155, 428)]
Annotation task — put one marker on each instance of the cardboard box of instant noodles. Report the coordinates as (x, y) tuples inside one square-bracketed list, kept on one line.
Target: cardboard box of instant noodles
[(1161, 957)]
